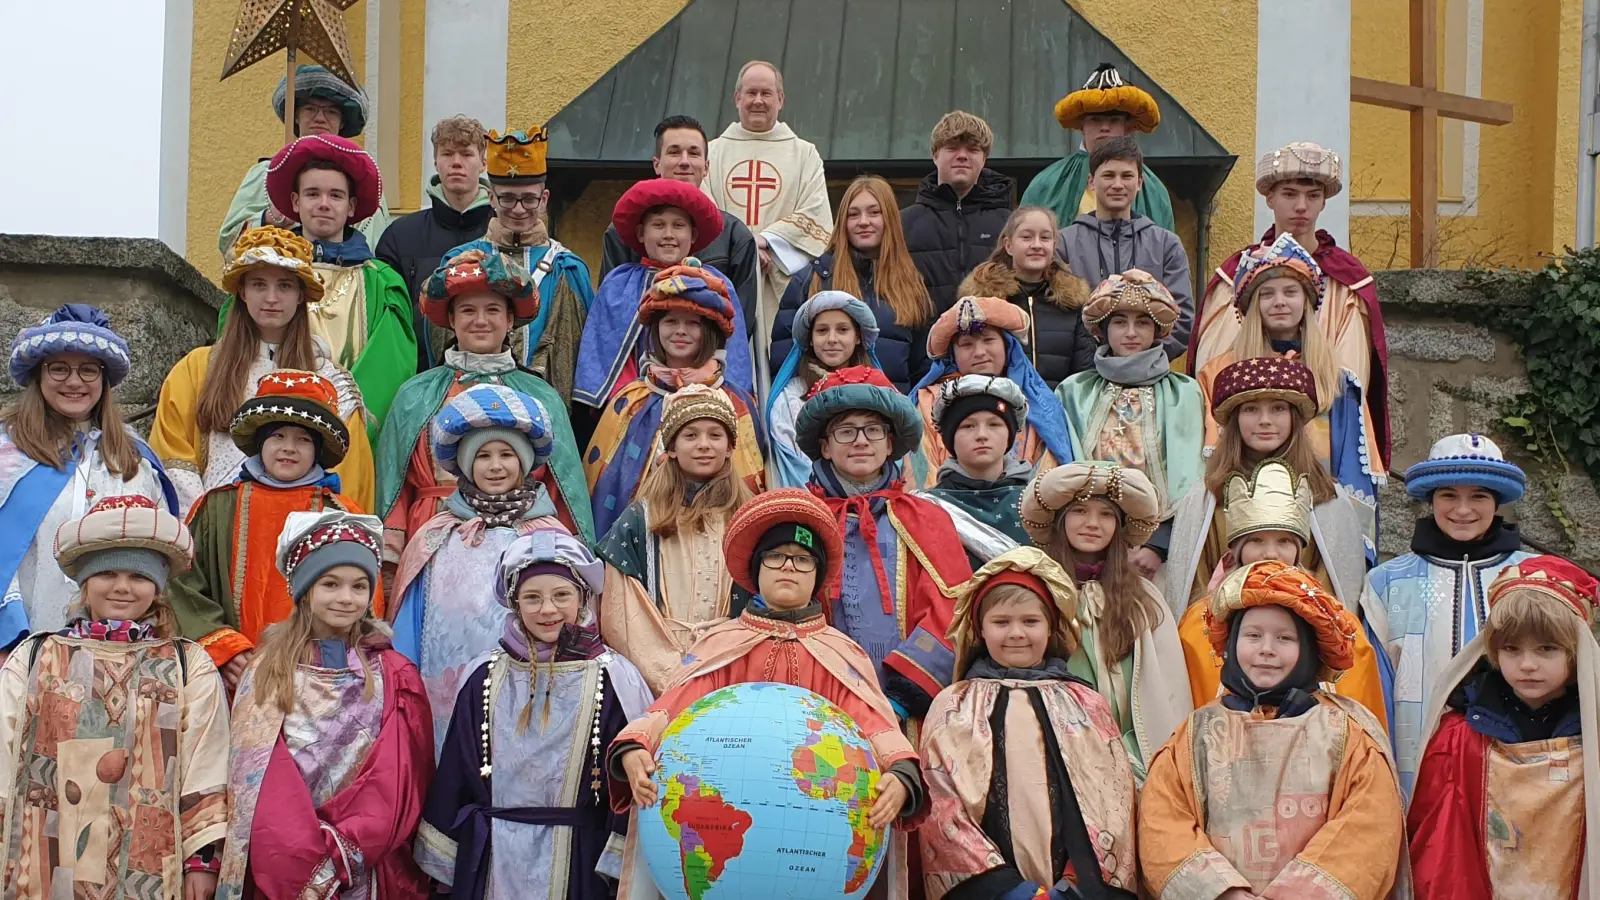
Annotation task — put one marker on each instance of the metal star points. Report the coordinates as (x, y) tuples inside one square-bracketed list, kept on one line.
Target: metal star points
[(262, 28)]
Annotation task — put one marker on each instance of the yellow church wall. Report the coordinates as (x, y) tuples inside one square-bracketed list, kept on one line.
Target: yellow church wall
[(1526, 175), (413, 134)]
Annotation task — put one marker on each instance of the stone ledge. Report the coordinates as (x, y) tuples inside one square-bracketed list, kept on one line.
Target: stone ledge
[(143, 254), (1428, 291)]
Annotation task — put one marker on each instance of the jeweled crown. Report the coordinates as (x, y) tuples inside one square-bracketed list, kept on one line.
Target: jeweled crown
[(1274, 498)]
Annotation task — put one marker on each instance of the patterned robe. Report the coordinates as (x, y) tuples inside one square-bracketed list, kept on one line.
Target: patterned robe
[(114, 766)]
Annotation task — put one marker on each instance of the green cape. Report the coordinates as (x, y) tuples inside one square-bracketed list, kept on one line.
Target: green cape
[(994, 507), (421, 398), (627, 546), (1179, 424), (1060, 188), (390, 356)]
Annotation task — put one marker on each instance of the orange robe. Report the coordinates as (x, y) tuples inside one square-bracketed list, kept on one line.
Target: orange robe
[(1361, 684), (1304, 808)]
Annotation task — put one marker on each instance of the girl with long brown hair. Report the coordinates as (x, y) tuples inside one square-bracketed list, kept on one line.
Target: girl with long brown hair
[(117, 717), (62, 444), (867, 259), (332, 741), (271, 277), (1090, 517), (665, 581)]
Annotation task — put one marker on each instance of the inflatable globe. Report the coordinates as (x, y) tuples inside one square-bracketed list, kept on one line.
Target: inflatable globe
[(763, 792)]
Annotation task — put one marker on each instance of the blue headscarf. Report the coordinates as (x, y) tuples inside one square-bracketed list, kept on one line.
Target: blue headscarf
[(791, 466), (1045, 413)]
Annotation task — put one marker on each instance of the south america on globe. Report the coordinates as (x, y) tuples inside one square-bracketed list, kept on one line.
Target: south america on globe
[(764, 792)]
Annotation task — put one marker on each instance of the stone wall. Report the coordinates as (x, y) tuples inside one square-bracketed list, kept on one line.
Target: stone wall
[(1432, 352), (162, 305)]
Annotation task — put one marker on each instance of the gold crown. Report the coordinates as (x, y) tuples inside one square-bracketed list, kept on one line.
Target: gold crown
[(518, 154), (1273, 499)]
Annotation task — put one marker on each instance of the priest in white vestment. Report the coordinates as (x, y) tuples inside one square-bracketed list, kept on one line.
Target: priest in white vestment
[(762, 172)]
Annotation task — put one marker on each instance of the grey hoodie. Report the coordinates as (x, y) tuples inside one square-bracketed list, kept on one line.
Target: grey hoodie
[(1096, 249)]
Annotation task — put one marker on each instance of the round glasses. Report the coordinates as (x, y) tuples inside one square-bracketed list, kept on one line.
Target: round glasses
[(801, 562), (88, 373)]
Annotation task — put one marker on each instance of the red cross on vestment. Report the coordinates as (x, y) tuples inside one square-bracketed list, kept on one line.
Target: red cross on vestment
[(753, 178)]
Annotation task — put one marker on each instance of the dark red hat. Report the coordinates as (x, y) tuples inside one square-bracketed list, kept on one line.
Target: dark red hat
[(787, 506), (365, 182), (656, 192), (1264, 378)]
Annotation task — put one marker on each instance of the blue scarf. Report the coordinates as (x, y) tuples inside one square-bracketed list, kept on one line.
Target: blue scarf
[(352, 251), (1045, 413), (255, 471)]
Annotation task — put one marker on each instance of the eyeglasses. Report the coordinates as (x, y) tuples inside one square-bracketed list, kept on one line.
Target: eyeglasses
[(847, 434), (556, 602), (321, 112), (801, 562), (530, 202), (88, 373)]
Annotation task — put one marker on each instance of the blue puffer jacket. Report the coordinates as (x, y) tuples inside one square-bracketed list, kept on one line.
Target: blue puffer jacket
[(902, 351)]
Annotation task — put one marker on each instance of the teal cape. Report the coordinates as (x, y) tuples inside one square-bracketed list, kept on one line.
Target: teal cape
[(995, 507), (1059, 188), (1177, 426), (421, 398)]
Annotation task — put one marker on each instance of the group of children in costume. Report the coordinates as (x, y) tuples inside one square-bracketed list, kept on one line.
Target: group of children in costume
[(332, 636)]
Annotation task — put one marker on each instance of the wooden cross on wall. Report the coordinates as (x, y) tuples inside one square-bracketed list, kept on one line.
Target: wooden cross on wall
[(1426, 103)]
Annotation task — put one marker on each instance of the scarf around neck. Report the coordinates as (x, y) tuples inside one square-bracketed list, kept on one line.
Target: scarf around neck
[(1430, 540), (673, 378), (527, 501), (1139, 370), (1293, 696), (759, 608), (117, 631), (954, 476), (480, 363), (1051, 669), (352, 251), (865, 501), (255, 470), (576, 642)]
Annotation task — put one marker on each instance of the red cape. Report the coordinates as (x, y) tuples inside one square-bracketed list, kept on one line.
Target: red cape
[(1344, 268), (1446, 820)]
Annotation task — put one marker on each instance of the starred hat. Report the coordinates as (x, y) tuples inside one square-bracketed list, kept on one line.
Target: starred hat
[(74, 328), (689, 288), (490, 407), (1466, 460), (476, 272), (1273, 583), (1106, 92), (813, 525), (1273, 498), (1553, 576), (1301, 159), (124, 533), (1027, 567), (366, 184), (1053, 490), (971, 315), (1283, 258), (317, 82), (293, 397), (1134, 291), (647, 195), (311, 543), (1264, 378), (272, 246), (857, 388), (518, 157)]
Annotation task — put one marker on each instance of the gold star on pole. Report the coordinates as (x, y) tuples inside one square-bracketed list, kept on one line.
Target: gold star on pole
[(263, 27)]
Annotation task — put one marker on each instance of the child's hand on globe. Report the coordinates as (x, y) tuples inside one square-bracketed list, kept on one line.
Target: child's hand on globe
[(892, 796), (639, 766)]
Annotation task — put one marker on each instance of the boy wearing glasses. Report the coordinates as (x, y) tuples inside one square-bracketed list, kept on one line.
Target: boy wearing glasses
[(903, 560), (547, 344)]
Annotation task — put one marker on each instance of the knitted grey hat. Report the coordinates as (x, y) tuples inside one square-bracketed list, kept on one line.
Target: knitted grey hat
[(152, 564)]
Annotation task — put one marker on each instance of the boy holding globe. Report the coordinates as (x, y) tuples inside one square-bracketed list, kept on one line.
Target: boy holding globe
[(1027, 773), (784, 548)]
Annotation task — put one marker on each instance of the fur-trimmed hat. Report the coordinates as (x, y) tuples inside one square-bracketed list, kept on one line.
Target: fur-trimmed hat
[(317, 82), (697, 401), (689, 288), (971, 315), (1466, 460), (957, 398), (366, 184), (491, 407), (74, 328), (125, 533), (272, 246), (293, 397), (476, 272), (1053, 490), (647, 195), (1106, 92), (1284, 258), (1264, 378), (786, 506), (1273, 583), (1134, 291), (1301, 159), (857, 388), (311, 543), (1028, 567)]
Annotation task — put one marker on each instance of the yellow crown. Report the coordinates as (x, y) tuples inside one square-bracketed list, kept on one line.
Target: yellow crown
[(1273, 499), (518, 154)]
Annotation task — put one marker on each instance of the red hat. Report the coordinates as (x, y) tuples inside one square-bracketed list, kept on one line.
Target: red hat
[(1264, 378), (293, 397), (645, 195), (365, 182), (788, 506), (1550, 575)]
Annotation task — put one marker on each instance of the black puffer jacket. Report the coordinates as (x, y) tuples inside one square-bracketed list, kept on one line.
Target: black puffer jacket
[(1058, 342), (902, 351), (948, 237), (414, 245)]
